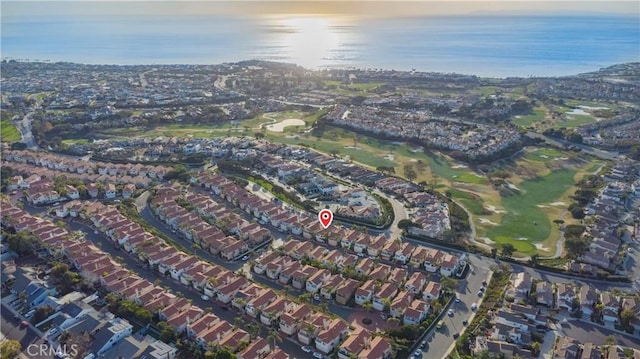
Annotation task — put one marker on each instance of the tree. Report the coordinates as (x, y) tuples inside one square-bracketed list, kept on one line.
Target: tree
[(404, 224), (534, 260), (41, 314), (626, 316), (10, 349), (409, 172), (367, 306), (448, 284), (258, 135), (274, 336), (535, 348), (508, 249)]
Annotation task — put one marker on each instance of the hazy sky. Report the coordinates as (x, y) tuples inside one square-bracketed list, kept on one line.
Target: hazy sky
[(364, 8)]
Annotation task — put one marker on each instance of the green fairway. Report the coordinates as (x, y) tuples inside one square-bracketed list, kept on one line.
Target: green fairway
[(9, 132), (543, 155), (328, 146), (524, 222), (471, 201), (538, 115), (576, 121)]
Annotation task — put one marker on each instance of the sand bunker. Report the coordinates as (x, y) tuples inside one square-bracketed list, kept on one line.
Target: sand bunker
[(493, 209), (389, 157), (280, 126), (486, 240), (512, 186), (459, 166), (541, 247), (542, 206), (352, 147), (522, 239), (487, 221), (558, 204), (578, 111)]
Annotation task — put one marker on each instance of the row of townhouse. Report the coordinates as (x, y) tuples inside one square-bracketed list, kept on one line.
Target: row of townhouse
[(475, 140), (214, 281), (98, 267), (70, 165), (570, 348), (191, 225), (586, 299), (606, 210), (308, 227), (388, 289)]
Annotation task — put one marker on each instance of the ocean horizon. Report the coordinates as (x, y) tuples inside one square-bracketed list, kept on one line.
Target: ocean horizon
[(485, 45)]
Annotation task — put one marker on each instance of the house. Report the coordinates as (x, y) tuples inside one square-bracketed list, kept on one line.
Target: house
[(73, 312), (401, 302), (521, 285), (128, 190), (258, 348), (364, 293), (345, 290), (611, 307), (565, 296), (329, 338), (416, 283), (290, 323), (587, 297), (416, 312), (512, 320), (110, 334), (403, 254), (544, 294), (432, 291), (316, 280), (354, 343), (384, 296), (110, 191), (448, 265), (255, 306), (377, 348), (527, 311)]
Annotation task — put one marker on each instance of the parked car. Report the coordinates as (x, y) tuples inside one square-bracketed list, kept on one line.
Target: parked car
[(456, 335), (450, 312), (474, 306), (204, 297), (318, 355), (306, 349), (30, 314), (52, 331)]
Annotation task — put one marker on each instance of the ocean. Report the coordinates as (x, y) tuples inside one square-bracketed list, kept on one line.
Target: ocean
[(496, 46)]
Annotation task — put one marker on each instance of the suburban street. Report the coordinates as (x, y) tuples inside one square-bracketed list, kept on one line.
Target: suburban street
[(440, 341), (26, 336), (586, 332)]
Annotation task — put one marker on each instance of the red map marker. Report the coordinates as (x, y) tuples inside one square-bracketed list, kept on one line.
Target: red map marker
[(325, 217)]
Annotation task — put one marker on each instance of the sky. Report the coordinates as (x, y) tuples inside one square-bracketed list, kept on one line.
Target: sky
[(375, 8)]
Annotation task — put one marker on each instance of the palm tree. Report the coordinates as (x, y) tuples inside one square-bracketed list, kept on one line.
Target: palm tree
[(273, 335)]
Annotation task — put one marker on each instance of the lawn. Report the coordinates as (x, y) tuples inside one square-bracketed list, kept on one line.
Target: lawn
[(9, 132), (543, 155), (524, 222)]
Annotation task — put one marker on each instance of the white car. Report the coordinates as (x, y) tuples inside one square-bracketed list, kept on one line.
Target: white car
[(245, 258), (52, 331), (450, 312), (474, 306), (306, 349), (204, 297), (318, 355)]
